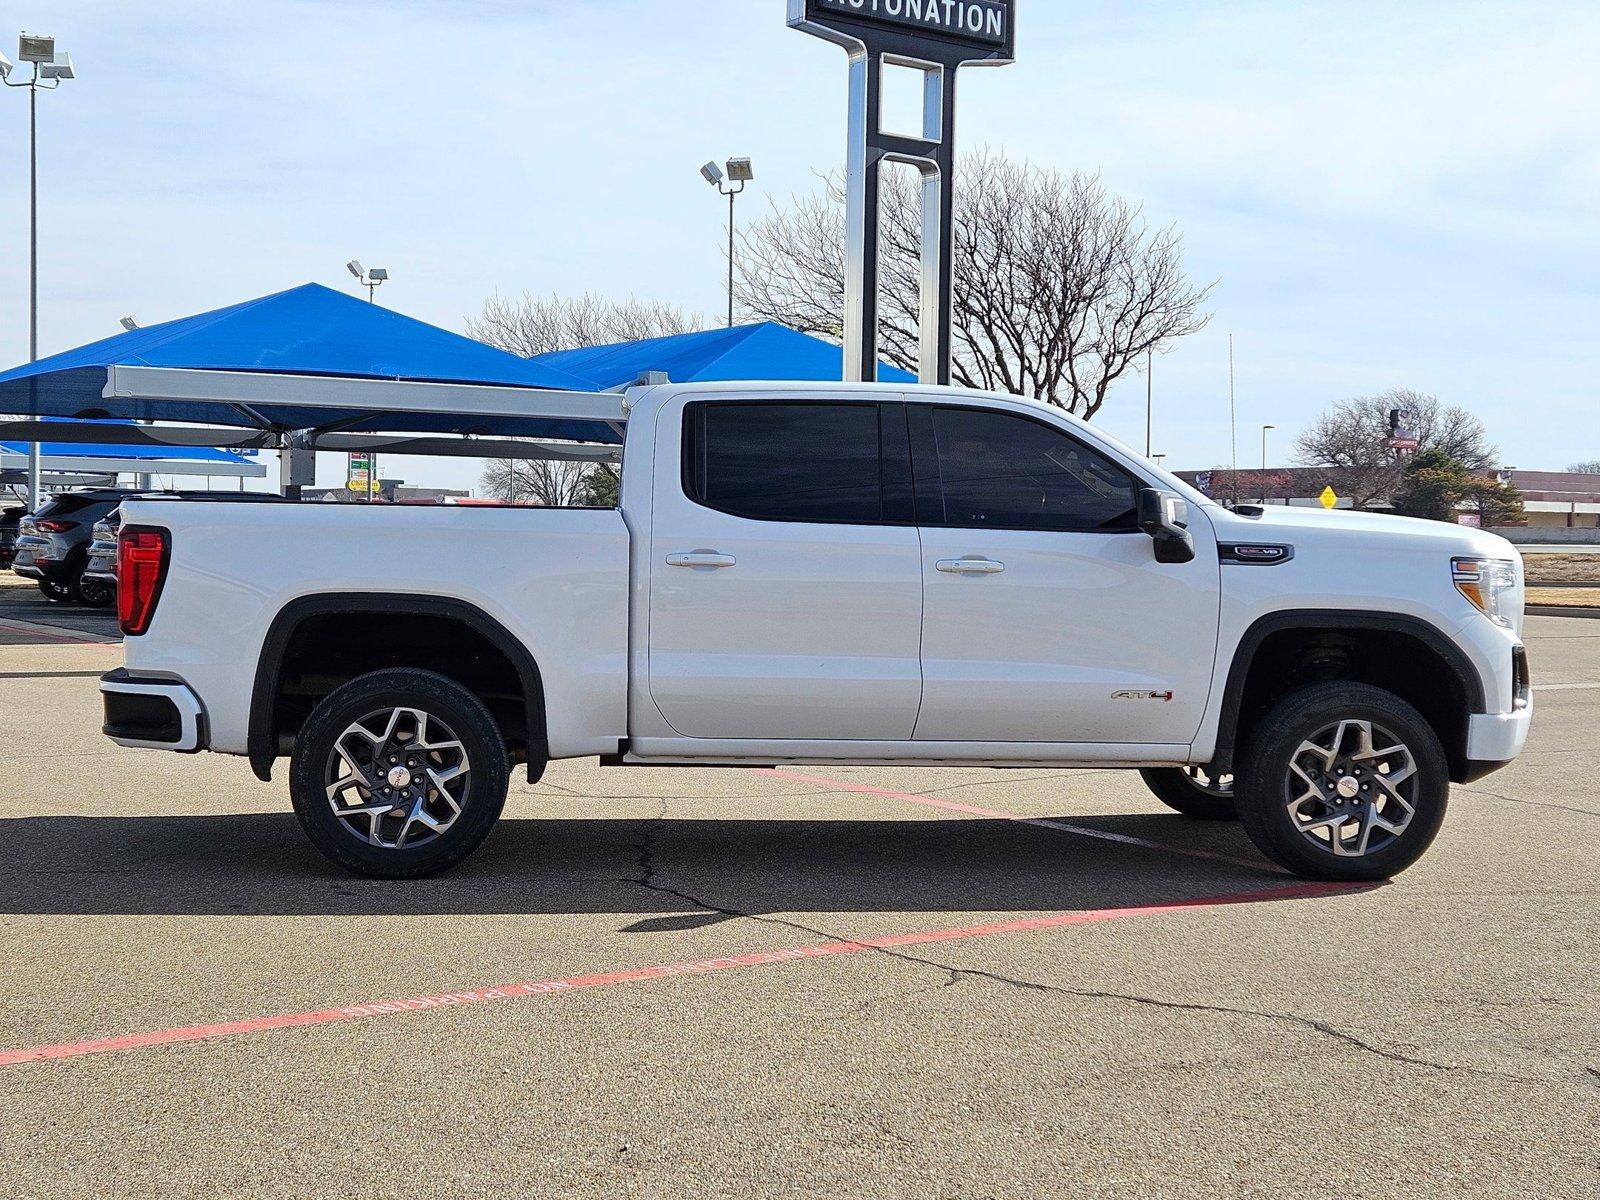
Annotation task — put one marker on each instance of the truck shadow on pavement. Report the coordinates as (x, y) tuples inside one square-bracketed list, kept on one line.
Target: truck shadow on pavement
[(671, 874)]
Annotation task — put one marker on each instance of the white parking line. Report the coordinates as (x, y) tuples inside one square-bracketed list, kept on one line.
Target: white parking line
[(1567, 687)]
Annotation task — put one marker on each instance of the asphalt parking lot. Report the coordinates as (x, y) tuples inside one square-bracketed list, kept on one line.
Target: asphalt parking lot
[(836, 982)]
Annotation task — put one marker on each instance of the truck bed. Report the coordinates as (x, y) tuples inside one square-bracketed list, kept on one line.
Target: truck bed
[(555, 579)]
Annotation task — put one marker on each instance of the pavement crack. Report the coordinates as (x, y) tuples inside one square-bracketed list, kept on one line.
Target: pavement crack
[(1582, 812), (647, 878), (956, 974)]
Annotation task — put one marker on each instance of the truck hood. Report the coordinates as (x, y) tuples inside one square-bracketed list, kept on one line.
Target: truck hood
[(1308, 526)]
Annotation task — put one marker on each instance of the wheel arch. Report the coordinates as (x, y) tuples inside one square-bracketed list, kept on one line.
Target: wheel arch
[(261, 737), (1465, 683)]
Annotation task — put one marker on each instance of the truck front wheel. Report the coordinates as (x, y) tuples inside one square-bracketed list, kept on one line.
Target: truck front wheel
[(399, 774), (1342, 781)]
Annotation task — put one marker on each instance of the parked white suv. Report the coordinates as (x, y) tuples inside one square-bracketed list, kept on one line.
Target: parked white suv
[(834, 574)]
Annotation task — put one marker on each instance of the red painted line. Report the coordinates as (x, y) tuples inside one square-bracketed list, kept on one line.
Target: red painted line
[(573, 983), (1103, 835)]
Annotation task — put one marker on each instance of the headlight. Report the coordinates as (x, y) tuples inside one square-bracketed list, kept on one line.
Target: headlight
[(1491, 585)]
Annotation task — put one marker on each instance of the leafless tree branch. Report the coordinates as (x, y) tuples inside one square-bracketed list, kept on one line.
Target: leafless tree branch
[(1060, 286), (533, 325)]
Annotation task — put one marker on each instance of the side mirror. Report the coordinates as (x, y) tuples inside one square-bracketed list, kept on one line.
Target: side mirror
[(1165, 517)]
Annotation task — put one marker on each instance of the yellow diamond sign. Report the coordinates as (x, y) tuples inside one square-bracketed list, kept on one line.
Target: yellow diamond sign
[(1329, 497)]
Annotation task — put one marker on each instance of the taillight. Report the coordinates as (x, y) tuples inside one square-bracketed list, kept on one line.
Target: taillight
[(55, 526), (141, 568)]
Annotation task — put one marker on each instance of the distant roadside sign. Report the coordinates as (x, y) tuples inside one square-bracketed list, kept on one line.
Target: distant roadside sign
[(1329, 497), (1403, 432)]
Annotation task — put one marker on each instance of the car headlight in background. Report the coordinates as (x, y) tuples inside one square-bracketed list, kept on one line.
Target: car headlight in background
[(1491, 585)]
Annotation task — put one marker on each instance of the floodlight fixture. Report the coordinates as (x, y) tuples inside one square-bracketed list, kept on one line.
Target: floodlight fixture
[(712, 173), (368, 279), (740, 170), (129, 323), (58, 68), (36, 48), (5, 65)]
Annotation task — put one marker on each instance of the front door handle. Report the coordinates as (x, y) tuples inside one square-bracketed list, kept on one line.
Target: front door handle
[(970, 566), (701, 558)]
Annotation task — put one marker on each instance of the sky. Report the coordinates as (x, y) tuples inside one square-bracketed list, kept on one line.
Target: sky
[(1385, 195)]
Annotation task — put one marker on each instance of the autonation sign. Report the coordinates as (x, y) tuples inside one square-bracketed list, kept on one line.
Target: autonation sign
[(982, 22)]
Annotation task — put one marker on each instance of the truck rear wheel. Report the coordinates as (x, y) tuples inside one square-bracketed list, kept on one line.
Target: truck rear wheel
[(399, 774), (1342, 781), (1193, 791)]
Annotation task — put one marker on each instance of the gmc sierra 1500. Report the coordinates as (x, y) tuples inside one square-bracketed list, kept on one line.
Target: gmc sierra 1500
[(833, 574)]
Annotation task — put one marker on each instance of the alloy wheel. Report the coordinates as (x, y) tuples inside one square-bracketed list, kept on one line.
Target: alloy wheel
[(1350, 788), (398, 778)]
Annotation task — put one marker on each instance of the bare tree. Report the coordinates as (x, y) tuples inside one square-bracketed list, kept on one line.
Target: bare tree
[(1060, 286), (554, 484), (1592, 467), (539, 324), (1353, 436)]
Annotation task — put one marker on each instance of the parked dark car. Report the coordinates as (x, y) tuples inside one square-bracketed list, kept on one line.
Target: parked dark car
[(53, 545), (9, 517)]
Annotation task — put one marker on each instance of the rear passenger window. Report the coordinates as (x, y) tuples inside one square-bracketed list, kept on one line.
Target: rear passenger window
[(785, 462), (999, 471)]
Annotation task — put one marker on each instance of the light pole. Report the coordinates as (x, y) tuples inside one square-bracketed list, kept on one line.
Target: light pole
[(49, 69), (1264, 429), (740, 172), (371, 280), (1149, 397)]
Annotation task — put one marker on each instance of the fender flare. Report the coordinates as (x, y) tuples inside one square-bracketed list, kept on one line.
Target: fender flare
[(262, 744), (1264, 627)]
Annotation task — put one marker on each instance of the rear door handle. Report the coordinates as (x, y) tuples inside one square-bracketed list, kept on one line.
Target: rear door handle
[(701, 558), (970, 566)]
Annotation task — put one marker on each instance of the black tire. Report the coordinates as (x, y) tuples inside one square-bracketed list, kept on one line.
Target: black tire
[(1262, 783), (57, 593), (440, 699), (1177, 789), (92, 593)]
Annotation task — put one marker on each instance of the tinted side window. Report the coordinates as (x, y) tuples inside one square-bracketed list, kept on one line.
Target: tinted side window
[(1000, 471), (785, 462)]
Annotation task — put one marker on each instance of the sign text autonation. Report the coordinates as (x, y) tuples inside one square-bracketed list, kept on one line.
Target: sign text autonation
[(968, 20)]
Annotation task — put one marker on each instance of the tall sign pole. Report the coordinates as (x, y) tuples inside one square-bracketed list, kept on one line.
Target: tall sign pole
[(938, 38)]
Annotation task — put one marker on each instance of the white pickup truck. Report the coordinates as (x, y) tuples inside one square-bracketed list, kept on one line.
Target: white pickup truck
[(834, 574)]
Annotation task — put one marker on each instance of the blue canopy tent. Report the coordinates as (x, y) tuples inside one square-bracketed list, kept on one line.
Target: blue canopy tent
[(762, 351), (298, 360)]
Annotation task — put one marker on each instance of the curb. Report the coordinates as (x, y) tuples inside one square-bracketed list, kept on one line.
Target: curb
[(1547, 610)]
